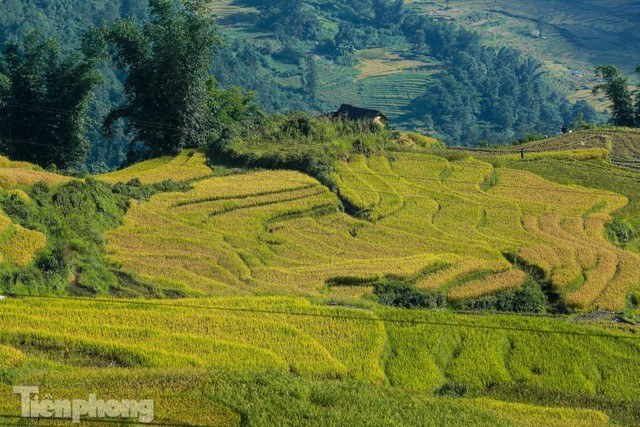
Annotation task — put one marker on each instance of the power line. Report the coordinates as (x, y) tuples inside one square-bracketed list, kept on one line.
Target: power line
[(477, 183), (457, 182), (390, 153), (53, 110), (166, 126), (54, 147), (329, 316), (397, 175)]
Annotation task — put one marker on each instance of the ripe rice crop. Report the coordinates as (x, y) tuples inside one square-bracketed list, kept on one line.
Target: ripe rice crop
[(10, 357), (14, 177), (188, 166), (626, 277), (583, 154), (21, 244), (437, 280), (377, 62), (107, 346), (282, 232), (506, 281), (6, 163), (596, 281)]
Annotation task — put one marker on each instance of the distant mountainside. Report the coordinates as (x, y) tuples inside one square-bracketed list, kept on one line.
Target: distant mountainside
[(571, 37), (419, 62), (575, 35)]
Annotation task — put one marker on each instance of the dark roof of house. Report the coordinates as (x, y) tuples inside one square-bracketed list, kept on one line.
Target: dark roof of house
[(356, 113)]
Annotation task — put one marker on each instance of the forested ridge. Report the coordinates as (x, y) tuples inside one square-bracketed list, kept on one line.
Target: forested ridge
[(479, 95)]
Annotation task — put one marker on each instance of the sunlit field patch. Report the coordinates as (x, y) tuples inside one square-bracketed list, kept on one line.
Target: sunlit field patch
[(283, 232), (187, 166), (165, 348)]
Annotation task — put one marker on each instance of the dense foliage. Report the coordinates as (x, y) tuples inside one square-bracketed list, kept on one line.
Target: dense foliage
[(67, 21), (295, 141), (166, 62), (625, 104), (480, 94), (44, 101)]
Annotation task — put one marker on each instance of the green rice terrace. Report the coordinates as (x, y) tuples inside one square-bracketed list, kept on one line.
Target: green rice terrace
[(288, 298)]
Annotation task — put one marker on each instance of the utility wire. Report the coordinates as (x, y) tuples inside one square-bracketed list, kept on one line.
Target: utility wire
[(53, 110), (444, 182), (451, 181), (415, 196), (166, 126)]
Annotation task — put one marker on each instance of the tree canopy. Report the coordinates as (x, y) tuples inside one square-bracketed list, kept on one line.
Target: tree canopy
[(616, 88), (167, 62), (44, 98)]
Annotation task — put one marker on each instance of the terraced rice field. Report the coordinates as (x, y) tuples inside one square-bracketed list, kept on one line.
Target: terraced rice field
[(579, 34), (18, 245), (188, 166), (211, 361), (22, 174), (424, 219), (622, 145), (393, 93), (379, 62)]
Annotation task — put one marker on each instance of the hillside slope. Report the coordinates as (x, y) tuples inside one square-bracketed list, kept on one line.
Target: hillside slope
[(619, 172), (284, 361), (623, 144), (578, 34), (285, 329), (451, 227), (18, 245)]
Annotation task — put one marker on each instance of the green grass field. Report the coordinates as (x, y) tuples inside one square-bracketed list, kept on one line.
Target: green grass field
[(205, 364)]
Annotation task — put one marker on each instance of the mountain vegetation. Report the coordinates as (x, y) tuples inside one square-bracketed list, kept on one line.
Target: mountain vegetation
[(476, 93), (45, 100), (625, 105), (166, 62), (252, 265)]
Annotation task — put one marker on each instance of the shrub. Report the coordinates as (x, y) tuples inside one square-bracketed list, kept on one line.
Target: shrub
[(619, 232), (297, 142), (73, 217), (529, 137), (527, 299), (407, 296)]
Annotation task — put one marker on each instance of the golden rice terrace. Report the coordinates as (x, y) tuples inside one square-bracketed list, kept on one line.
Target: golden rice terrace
[(463, 228)]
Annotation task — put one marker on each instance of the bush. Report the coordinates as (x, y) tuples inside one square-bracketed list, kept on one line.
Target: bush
[(407, 296), (73, 217), (528, 299), (529, 137), (619, 232), (296, 141)]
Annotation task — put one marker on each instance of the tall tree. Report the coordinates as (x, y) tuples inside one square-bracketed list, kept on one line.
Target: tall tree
[(616, 88), (167, 63), (310, 80), (45, 98)]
